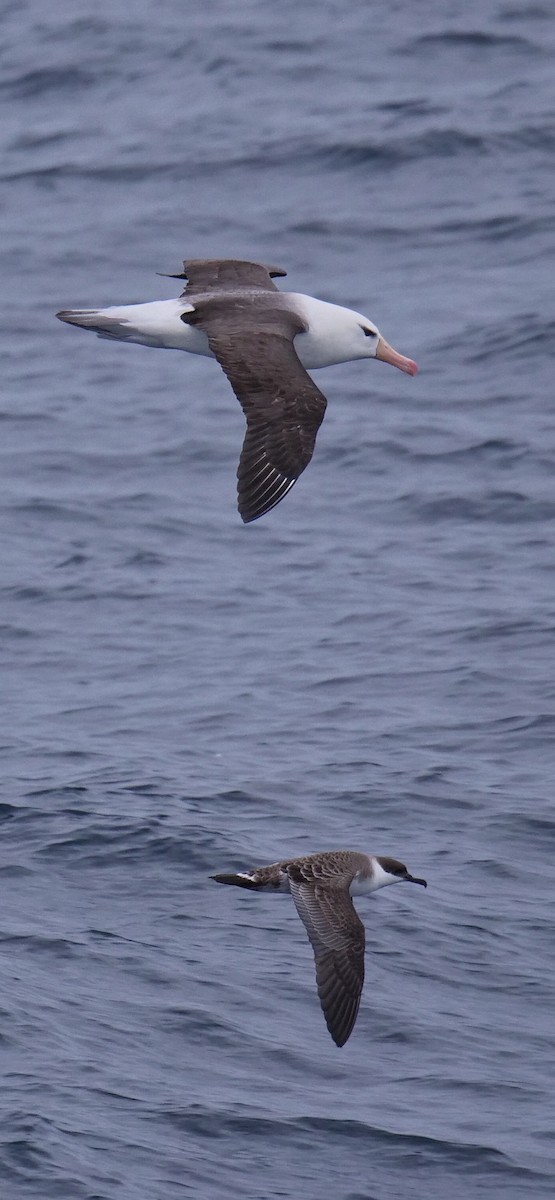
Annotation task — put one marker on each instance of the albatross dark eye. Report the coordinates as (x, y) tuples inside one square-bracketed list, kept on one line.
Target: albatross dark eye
[(367, 332)]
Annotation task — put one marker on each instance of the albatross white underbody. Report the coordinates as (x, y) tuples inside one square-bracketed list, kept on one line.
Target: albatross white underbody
[(264, 340)]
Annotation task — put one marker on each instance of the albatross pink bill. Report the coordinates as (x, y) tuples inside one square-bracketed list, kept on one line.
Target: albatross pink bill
[(389, 355)]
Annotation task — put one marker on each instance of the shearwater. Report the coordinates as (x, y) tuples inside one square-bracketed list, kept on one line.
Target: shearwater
[(264, 340), (322, 886)]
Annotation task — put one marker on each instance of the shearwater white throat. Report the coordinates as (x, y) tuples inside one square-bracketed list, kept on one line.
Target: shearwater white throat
[(322, 887), (264, 340)]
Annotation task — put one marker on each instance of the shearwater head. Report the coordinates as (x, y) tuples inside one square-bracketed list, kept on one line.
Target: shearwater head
[(389, 870)]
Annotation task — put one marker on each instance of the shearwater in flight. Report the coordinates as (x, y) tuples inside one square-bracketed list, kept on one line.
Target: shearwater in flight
[(264, 340), (322, 886)]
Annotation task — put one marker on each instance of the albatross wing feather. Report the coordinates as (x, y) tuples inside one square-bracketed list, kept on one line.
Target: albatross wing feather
[(283, 406), (206, 275)]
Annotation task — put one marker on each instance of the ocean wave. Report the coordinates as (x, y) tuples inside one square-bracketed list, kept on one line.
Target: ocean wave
[(481, 39), (304, 154)]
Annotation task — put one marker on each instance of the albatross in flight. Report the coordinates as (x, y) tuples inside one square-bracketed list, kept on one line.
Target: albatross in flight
[(264, 340), (322, 886)]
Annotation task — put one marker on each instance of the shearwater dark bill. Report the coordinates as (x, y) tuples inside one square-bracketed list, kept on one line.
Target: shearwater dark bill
[(264, 340), (322, 886)]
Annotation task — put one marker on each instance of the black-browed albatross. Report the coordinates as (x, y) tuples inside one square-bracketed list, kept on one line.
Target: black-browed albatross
[(264, 340), (322, 886)]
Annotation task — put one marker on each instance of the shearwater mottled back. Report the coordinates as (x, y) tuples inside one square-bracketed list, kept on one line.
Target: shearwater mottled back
[(264, 340), (322, 886)]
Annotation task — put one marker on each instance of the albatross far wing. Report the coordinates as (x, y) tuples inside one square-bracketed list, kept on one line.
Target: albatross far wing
[(338, 939), (253, 343), (205, 275)]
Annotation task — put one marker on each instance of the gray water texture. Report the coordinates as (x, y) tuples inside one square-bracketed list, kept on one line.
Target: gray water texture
[(370, 666)]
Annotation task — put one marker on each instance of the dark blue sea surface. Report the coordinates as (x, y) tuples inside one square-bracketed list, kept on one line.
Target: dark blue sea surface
[(372, 665)]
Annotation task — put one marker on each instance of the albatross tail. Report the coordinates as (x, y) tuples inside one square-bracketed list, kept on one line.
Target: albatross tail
[(101, 323)]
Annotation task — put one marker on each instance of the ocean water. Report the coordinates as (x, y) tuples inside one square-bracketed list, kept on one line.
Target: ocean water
[(371, 665)]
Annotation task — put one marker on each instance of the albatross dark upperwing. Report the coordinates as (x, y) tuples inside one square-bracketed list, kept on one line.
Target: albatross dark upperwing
[(206, 275), (253, 343), (338, 940)]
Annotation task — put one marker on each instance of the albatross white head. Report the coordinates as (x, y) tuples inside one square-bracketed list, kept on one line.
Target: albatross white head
[(375, 346), (336, 334)]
